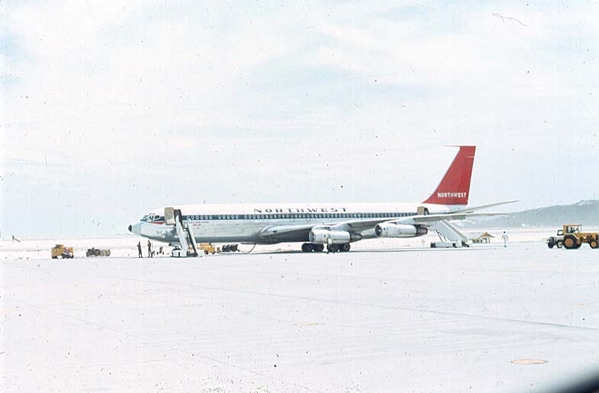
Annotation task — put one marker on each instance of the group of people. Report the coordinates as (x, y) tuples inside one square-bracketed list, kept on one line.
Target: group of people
[(151, 252)]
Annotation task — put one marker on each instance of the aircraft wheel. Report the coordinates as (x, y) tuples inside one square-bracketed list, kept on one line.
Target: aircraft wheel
[(333, 248), (344, 247), (318, 247), (307, 247)]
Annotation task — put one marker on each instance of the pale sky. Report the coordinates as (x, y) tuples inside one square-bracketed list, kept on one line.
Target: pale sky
[(110, 109)]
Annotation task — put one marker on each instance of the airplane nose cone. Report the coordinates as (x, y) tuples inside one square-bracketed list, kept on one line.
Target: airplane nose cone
[(135, 228)]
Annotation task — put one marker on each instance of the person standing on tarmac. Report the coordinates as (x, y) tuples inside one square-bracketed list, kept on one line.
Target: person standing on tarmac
[(149, 249), (505, 238), (139, 249)]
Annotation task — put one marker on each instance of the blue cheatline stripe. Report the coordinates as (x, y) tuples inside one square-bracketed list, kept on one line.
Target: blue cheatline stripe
[(293, 216)]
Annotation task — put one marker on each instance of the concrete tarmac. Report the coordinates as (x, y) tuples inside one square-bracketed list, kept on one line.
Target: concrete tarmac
[(484, 319)]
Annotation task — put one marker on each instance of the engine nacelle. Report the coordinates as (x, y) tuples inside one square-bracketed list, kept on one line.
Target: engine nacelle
[(322, 236), (399, 230)]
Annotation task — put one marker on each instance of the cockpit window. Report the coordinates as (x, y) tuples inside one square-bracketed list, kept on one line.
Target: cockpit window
[(152, 217)]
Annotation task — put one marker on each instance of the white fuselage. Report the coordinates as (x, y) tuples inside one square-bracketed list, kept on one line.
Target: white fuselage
[(248, 223)]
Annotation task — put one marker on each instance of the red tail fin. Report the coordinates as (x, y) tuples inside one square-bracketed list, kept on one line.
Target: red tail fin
[(455, 186)]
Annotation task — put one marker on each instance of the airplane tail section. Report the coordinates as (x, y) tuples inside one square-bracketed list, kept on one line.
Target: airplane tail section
[(454, 188)]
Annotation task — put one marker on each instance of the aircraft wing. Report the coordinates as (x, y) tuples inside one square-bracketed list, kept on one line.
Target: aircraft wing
[(284, 232)]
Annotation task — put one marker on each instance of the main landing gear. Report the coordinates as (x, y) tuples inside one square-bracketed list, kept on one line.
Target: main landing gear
[(310, 247)]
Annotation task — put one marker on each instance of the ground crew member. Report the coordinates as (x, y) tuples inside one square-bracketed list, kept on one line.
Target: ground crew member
[(505, 239), (149, 249), (139, 249)]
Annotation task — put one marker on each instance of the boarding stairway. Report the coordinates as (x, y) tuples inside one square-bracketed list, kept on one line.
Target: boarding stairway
[(189, 247), (450, 235)]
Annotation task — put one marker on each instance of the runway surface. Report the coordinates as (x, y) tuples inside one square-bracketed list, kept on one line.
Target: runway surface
[(484, 319)]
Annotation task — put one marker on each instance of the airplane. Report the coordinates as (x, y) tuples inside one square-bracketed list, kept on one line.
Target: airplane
[(334, 225)]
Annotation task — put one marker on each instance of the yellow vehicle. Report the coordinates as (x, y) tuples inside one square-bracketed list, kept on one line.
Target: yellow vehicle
[(60, 250), (208, 248), (574, 237)]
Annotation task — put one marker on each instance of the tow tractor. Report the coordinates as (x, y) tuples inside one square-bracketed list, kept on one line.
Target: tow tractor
[(573, 237), (60, 250)]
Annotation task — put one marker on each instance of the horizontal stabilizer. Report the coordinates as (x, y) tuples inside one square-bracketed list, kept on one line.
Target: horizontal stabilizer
[(456, 215), (473, 209)]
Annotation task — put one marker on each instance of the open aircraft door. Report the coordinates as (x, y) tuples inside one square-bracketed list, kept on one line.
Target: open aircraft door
[(169, 215)]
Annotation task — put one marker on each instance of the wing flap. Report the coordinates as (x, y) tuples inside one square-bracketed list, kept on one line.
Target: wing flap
[(278, 230)]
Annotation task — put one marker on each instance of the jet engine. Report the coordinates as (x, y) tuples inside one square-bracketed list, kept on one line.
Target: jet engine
[(321, 236), (399, 230)]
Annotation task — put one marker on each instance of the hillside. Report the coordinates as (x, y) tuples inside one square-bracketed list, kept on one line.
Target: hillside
[(583, 212)]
